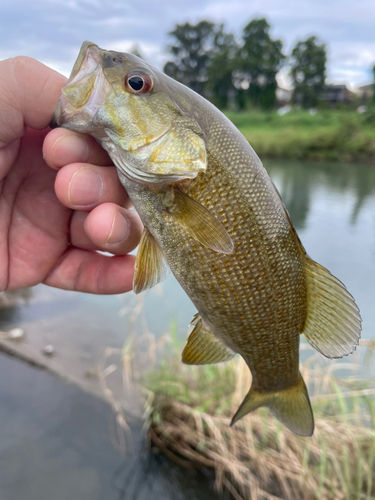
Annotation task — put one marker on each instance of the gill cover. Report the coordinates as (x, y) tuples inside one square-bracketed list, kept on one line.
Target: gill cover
[(179, 153), (155, 140), (150, 138)]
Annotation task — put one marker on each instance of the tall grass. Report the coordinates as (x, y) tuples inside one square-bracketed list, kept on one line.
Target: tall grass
[(187, 414)]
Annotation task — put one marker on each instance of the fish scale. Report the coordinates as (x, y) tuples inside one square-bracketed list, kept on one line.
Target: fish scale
[(249, 258), (241, 318), (212, 213)]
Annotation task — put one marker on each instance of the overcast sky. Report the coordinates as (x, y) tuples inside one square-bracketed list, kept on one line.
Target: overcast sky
[(53, 30)]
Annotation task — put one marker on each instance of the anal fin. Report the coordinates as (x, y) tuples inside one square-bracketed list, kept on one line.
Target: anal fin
[(333, 321), (291, 406), (201, 224), (150, 266), (203, 347)]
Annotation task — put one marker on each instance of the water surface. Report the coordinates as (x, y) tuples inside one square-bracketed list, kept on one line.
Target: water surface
[(333, 210)]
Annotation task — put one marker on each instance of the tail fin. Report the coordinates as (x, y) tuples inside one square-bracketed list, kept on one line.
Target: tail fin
[(291, 406)]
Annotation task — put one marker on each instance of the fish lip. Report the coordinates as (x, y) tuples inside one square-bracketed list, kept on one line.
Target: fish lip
[(94, 52), (91, 65)]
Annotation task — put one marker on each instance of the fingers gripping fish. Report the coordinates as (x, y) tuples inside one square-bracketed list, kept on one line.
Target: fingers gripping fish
[(213, 216)]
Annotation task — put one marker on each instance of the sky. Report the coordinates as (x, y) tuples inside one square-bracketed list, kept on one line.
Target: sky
[(52, 30)]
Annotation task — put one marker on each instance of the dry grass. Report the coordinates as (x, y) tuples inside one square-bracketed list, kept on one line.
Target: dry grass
[(188, 410)]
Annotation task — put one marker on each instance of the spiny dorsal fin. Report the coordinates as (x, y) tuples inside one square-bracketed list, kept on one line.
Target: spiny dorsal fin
[(333, 322), (201, 224), (150, 266), (203, 347), (291, 406)]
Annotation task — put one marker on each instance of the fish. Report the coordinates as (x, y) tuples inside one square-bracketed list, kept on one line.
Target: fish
[(214, 218)]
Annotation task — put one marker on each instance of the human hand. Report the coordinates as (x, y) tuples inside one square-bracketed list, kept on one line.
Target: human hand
[(51, 224)]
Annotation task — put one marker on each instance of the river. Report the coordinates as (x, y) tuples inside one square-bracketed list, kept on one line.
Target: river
[(55, 434)]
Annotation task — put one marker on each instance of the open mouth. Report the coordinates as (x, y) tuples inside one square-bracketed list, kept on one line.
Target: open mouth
[(85, 91)]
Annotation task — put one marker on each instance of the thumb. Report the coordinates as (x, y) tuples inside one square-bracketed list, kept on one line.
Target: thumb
[(29, 92)]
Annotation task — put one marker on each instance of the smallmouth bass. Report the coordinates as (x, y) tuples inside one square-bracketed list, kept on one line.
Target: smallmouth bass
[(212, 214)]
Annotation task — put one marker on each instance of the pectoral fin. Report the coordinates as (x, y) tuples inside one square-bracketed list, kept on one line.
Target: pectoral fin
[(201, 224), (291, 406), (333, 322), (203, 347), (150, 266)]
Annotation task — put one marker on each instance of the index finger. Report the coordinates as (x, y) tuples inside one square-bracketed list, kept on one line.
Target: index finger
[(62, 147)]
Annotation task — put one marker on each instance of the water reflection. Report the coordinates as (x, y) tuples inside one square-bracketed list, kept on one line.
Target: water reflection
[(154, 476), (55, 445), (300, 181), (9, 304), (333, 209)]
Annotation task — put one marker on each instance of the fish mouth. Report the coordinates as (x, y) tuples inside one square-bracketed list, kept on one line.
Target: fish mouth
[(89, 95), (84, 92)]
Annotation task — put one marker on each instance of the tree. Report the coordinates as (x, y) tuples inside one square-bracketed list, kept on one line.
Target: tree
[(219, 85), (192, 51), (373, 84), (258, 61), (308, 71), (136, 50)]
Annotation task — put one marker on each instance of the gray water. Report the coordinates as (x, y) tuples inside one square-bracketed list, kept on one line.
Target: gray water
[(54, 445), (332, 206), (333, 210)]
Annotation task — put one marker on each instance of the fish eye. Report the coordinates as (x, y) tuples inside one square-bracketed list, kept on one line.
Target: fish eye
[(138, 82)]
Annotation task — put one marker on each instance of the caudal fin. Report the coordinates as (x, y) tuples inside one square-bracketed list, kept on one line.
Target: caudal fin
[(291, 406)]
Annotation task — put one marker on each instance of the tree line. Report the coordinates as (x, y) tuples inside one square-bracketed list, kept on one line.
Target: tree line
[(228, 71)]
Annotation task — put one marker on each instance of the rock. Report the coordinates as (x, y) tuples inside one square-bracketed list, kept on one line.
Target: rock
[(49, 350), (16, 334)]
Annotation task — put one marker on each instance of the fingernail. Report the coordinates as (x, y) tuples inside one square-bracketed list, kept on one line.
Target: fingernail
[(85, 188), (119, 231), (69, 149)]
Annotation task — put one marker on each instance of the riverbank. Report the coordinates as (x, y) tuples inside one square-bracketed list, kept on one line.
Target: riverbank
[(189, 410), (330, 135)]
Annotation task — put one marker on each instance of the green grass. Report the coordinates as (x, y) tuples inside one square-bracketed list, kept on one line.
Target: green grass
[(188, 412), (330, 135)]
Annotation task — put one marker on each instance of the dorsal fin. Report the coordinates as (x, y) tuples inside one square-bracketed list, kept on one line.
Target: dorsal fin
[(333, 321), (203, 347)]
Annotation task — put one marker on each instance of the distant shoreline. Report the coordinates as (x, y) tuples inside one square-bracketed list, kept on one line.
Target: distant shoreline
[(329, 135)]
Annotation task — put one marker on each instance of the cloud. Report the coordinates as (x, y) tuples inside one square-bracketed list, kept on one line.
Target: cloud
[(152, 52), (53, 30), (346, 27)]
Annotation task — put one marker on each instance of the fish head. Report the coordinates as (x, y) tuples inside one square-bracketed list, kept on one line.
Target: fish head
[(133, 112)]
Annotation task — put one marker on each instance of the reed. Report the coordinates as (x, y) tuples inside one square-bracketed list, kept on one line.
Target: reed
[(187, 414)]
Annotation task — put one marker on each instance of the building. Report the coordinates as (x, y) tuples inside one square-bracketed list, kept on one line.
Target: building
[(365, 93), (332, 95), (336, 94)]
